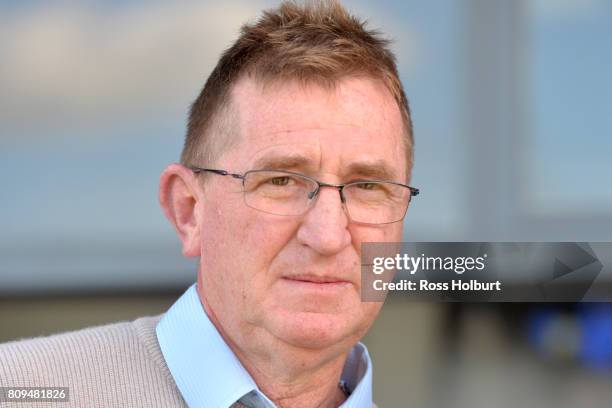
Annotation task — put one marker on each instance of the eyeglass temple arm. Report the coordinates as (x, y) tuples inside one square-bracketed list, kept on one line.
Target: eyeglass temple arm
[(216, 171), (414, 191)]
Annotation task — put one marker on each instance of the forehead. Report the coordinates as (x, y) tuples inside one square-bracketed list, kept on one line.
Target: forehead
[(356, 122)]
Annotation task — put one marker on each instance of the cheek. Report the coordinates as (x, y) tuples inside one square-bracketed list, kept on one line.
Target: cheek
[(370, 310), (389, 233), (394, 232), (237, 251)]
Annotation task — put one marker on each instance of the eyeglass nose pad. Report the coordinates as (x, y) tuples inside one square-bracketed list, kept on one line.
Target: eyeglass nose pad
[(342, 199), (312, 194)]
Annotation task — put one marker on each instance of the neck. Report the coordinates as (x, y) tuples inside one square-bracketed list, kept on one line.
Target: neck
[(314, 388)]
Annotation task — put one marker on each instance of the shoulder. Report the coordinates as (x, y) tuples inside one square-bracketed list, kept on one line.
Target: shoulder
[(121, 358), (92, 348)]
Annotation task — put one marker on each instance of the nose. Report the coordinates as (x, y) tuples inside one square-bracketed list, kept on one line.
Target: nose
[(324, 226)]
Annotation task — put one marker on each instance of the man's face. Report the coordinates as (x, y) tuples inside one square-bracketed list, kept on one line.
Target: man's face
[(296, 279)]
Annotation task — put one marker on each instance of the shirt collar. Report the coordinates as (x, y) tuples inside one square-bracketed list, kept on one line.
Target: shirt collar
[(209, 375)]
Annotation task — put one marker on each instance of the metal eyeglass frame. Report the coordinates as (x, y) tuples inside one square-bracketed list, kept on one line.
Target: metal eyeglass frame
[(413, 190)]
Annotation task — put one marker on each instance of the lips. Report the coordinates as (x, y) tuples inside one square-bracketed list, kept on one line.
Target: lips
[(307, 278)]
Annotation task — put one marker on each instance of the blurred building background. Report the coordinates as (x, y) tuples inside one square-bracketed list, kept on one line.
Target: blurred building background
[(512, 106)]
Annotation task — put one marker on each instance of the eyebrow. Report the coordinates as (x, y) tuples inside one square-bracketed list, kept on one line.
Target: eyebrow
[(370, 169), (376, 169), (282, 162)]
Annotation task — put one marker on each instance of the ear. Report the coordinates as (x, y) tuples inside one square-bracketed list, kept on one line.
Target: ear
[(178, 188)]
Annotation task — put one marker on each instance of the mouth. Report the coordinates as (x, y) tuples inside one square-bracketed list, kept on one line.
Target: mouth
[(315, 279), (314, 283)]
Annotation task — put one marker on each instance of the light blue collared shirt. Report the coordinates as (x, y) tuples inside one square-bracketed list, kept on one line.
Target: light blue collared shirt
[(209, 375)]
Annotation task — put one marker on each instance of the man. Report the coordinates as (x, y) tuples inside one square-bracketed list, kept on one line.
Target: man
[(298, 149)]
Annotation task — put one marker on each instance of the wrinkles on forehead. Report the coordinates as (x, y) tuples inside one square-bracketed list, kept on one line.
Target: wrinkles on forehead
[(270, 108), (356, 129)]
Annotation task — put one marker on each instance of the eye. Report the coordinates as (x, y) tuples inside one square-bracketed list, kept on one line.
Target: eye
[(279, 181), (368, 186)]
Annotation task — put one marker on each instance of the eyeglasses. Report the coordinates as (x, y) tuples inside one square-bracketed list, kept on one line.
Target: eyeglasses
[(281, 192)]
